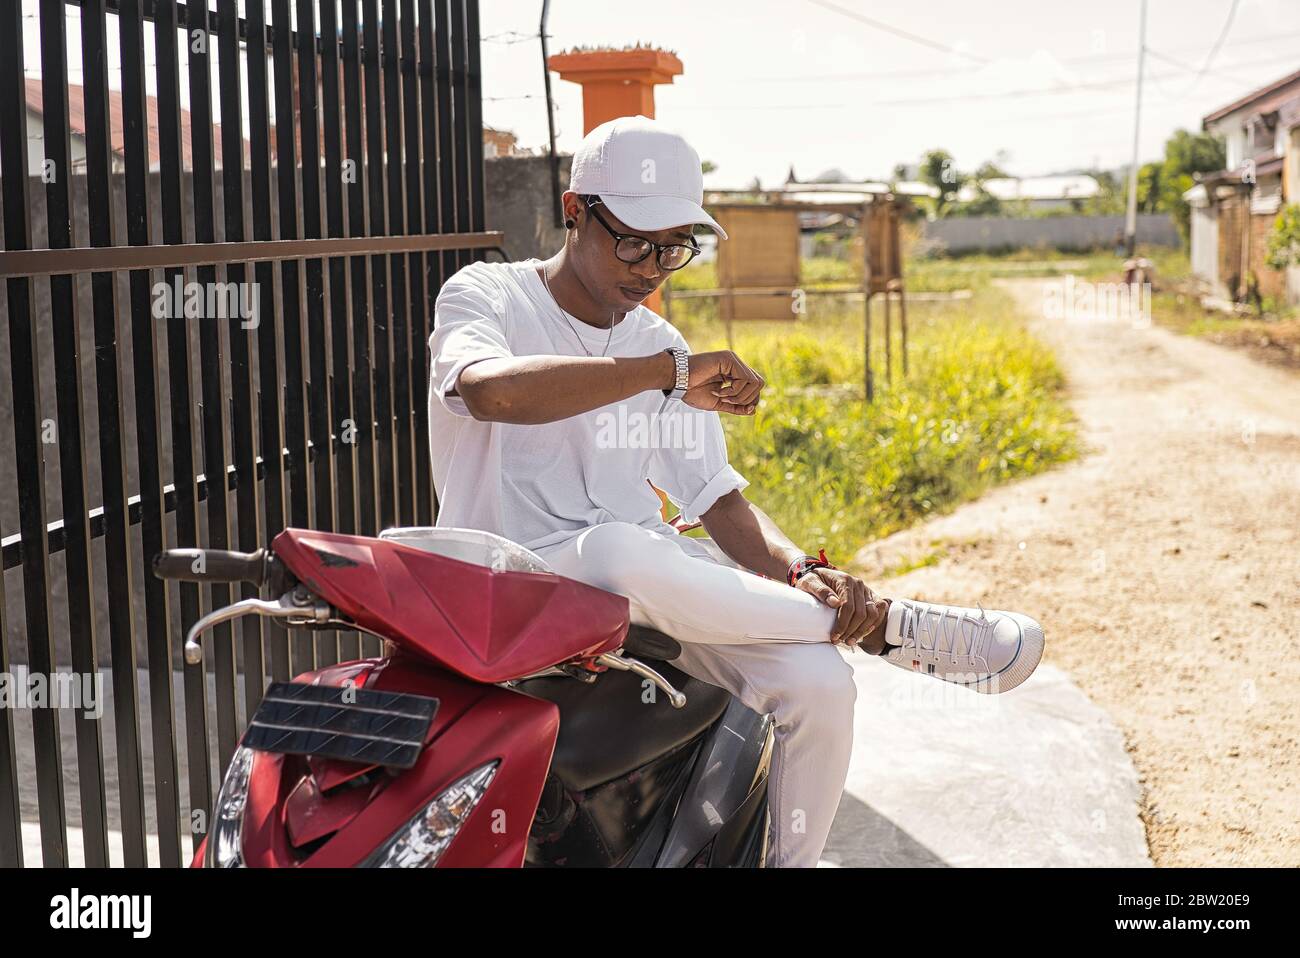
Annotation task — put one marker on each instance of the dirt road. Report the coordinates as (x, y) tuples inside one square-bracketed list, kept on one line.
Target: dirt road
[(1165, 567)]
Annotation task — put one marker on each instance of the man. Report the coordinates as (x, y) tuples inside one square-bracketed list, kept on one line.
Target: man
[(555, 395)]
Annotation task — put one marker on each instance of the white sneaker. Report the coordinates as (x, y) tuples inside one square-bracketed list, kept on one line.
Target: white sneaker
[(988, 652)]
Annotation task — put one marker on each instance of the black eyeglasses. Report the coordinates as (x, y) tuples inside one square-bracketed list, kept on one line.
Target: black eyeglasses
[(633, 249)]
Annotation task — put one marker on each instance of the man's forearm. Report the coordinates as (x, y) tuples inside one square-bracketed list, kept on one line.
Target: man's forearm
[(749, 536), (540, 389)]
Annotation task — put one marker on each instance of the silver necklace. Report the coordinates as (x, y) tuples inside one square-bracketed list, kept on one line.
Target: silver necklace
[(564, 313)]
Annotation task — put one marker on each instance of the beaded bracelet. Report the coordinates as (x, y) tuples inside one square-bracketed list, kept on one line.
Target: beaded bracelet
[(806, 564)]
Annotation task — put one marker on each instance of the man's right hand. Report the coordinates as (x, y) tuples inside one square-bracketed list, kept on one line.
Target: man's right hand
[(721, 381)]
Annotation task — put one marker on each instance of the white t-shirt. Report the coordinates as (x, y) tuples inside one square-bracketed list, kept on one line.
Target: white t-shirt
[(540, 485)]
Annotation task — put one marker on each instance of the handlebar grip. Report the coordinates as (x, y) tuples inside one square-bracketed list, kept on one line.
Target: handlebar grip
[(212, 565)]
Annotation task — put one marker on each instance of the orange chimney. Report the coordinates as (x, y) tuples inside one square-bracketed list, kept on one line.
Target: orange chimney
[(617, 83)]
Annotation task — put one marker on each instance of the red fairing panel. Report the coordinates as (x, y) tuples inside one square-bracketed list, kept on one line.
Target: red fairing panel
[(487, 626), (474, 725)]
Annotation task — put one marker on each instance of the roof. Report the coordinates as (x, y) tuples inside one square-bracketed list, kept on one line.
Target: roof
[(1271, 97), (901, 188), (117, 135), (1076, 186)]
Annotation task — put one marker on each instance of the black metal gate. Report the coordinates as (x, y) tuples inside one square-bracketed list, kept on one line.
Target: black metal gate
[(267, 243)]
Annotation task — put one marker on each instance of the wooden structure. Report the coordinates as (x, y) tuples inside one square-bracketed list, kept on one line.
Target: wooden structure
[(759, 276), (762, 254)]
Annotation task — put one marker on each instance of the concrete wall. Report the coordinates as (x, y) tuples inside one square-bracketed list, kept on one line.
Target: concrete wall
[(993, 233), (517, 197), (1205, 243)]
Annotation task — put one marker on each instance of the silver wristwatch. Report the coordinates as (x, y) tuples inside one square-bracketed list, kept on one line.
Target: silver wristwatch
[(683, 373)]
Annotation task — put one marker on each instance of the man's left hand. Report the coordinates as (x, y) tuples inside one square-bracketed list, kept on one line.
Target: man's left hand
[(859, 613)]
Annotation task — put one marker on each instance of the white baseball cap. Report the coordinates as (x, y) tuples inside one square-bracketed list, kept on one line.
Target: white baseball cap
[(648, 176)]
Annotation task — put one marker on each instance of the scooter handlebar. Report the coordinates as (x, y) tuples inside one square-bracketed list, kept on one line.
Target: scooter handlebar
[(212, 565)]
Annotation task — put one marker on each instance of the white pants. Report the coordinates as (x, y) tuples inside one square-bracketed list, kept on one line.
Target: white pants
[(766, 643)]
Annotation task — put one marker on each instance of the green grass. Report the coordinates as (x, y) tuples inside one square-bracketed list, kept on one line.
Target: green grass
[(976, 269), (943, 274), (982, 405)]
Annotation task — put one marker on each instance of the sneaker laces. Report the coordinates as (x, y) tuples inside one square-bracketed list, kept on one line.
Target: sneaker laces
[(944, 626)]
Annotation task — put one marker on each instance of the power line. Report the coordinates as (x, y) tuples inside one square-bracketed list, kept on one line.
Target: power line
[(956, 97), (1051, 91), (897, 31), (1130, 212), (966, 71), (1214, 50)]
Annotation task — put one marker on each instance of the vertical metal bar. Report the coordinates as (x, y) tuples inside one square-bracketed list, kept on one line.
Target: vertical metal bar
[(343, 421), (324, 646), (449, 161), (460, 120), (158, 615), (557, 214), (11, 829), (179, 370), (287, 194), (381, 367), (378, 328), (868, 377), (898, 271), (422, 505), (295, 429), (474, 122), (889, 349), (243, 399), (902, 318), (267, 362), (29, 451), (316, 334), (401, 322), (429, 160), (429, 168), (211, 370), (362, 397), (344, 472), (112, 451), (72, 461)]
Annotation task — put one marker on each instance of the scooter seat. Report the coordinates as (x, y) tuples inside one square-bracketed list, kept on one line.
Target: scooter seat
[(608, 729)]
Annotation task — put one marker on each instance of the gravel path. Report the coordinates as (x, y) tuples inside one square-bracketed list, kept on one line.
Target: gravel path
[(1165, 568)]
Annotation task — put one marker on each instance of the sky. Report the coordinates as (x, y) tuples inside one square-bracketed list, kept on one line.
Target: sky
[(1046, 85), (1043, 86)]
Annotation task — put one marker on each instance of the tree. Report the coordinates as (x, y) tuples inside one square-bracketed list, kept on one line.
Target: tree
[(1284, 241), (990, 170), (939, 171), (1109, 200), (1186, 154), (1149, 185)]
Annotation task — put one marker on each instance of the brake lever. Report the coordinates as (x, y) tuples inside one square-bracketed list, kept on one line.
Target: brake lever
[(298, 606), (627, 664)]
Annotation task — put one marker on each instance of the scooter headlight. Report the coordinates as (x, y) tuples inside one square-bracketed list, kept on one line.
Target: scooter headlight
[(225, 841), (421, 841)]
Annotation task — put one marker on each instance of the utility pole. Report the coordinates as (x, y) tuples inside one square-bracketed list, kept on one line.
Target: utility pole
[(1130, 221), (557, 213)]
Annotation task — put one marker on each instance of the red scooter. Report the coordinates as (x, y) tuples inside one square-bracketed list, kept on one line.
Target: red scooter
[(513, 719)]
